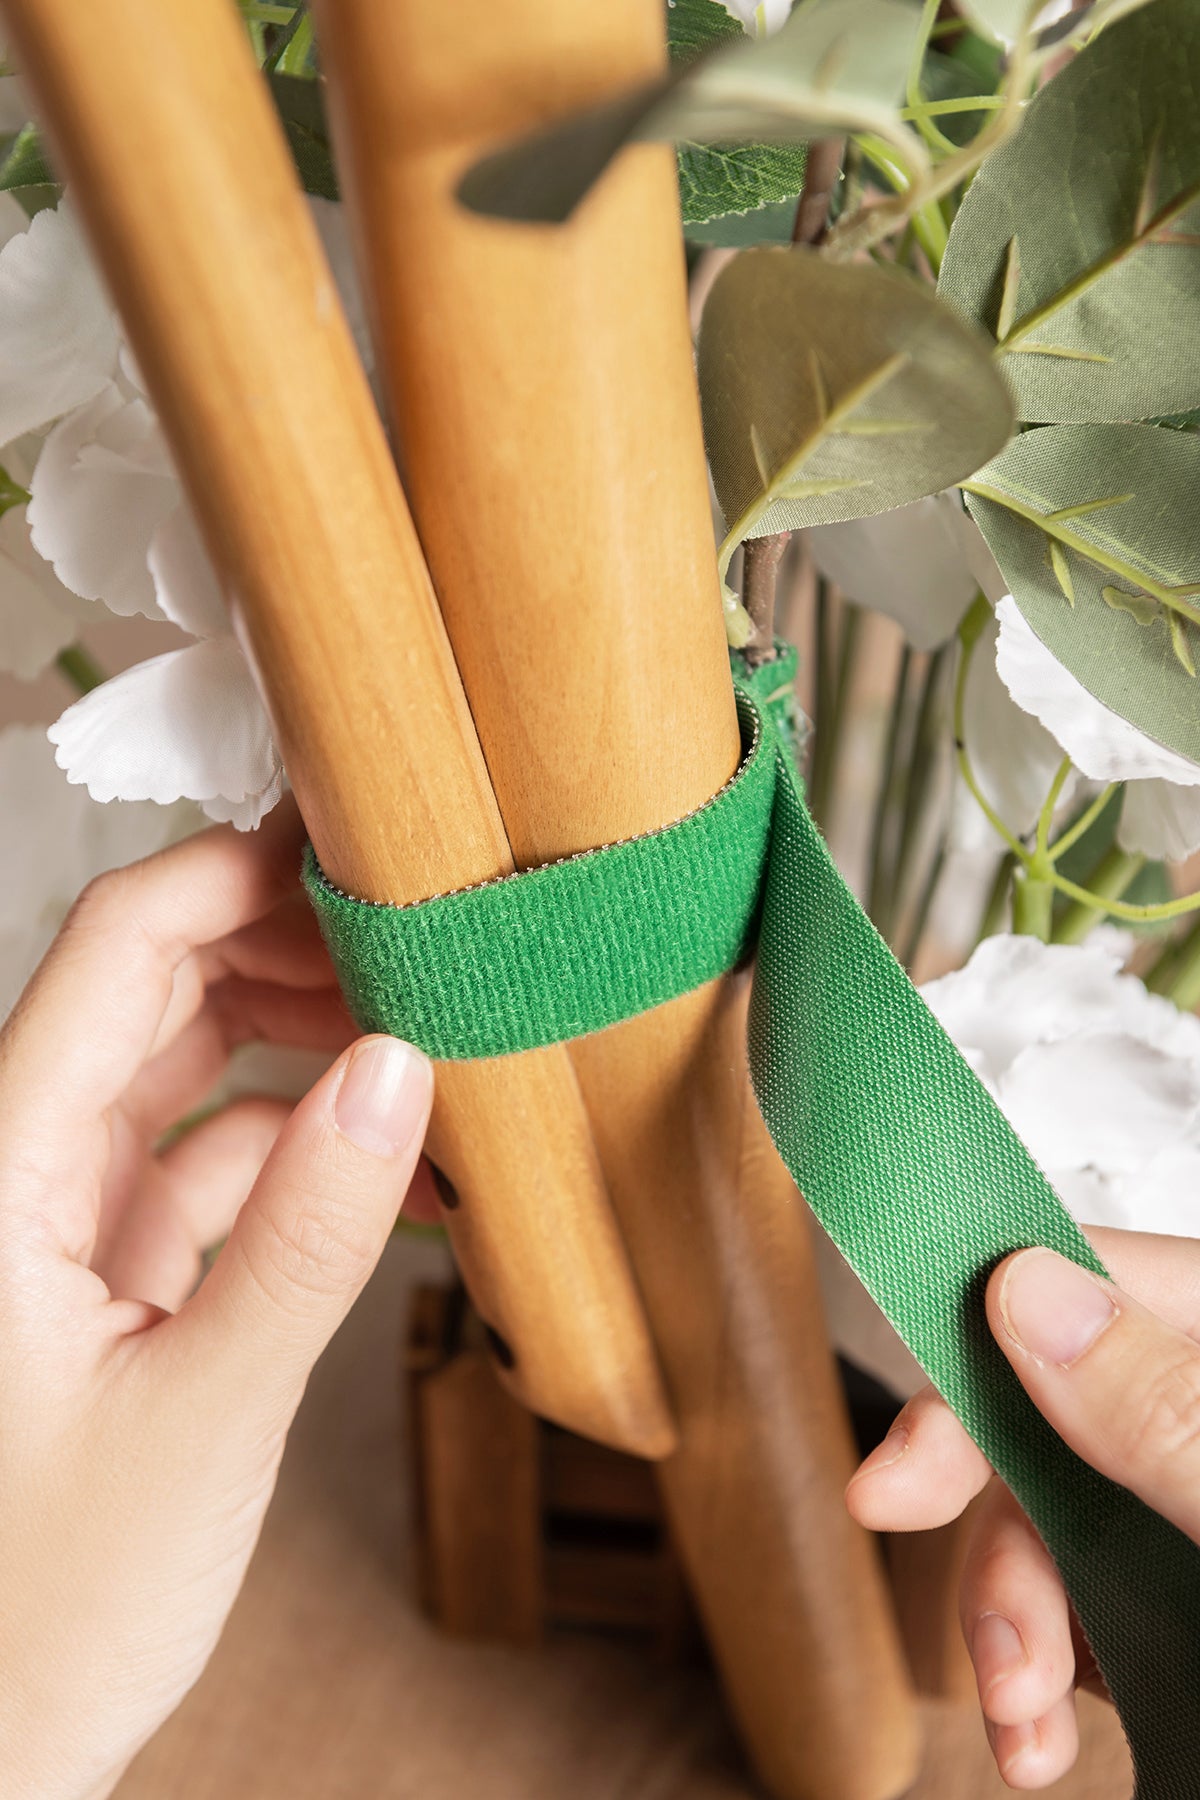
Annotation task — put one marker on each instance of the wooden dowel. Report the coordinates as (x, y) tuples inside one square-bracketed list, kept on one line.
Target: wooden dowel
[(541, 387), (162, 124)]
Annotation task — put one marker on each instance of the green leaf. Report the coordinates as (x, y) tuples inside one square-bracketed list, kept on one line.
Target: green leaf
[(716, 179), (301, 110), (949, 78), (741, 231), (696, 25), (1150, 887), (1118, 504), (26, 163), (834, 390), (1100, 192), (837, 65)]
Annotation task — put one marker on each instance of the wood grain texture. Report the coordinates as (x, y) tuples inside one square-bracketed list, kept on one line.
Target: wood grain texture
[(541, 389), (329, 1685), (161, 122)]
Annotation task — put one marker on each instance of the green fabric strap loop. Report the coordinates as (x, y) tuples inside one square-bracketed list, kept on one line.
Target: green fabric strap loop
[(900, 1151)]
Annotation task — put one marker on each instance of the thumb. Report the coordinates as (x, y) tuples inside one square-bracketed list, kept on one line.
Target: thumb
[(314, 1226), (1118, 1385)]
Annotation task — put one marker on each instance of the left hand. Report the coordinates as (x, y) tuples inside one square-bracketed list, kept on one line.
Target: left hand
[(143, 1423), (1118, 1377)]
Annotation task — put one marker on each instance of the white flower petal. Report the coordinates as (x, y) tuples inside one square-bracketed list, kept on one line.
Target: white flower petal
[(774, 13), (1160, 819), (978, 558), (185, 582), (908, 563), (58, 335), (1099, 742), (247, 814), (38, 615), (189, 724), (1104, 1101), (101, 488), (1013, 757)]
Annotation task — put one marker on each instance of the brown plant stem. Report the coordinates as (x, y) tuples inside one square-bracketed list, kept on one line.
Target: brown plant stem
[(821, 172), (761, 557)]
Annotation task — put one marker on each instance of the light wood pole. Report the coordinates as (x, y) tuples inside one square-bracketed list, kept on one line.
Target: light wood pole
[(540, 383), (162, 124)]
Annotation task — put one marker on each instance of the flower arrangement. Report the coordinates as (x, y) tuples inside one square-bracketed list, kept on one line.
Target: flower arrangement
[(946, 259)]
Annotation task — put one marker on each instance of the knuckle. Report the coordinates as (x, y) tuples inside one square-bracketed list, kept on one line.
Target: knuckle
[(102, 905), (1166, 1423), (318, 1247)]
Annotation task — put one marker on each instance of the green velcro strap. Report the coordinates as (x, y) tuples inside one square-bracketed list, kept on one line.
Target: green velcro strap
[(901, 1152), (565, 949)]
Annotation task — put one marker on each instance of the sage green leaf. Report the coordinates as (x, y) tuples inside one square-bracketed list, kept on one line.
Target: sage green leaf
[(26, 163), (716, 179), (1118, 505), (696, 25), (809, 421), (835, 66), (1097, 197)]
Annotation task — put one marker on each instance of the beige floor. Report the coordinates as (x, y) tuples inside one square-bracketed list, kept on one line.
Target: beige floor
[(328, 1685)]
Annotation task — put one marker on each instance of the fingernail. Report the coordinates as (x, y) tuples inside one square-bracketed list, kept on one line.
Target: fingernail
[(383, 1096), (1052, 1308), (890, 1451), (1020, 1743), (996, 1651)]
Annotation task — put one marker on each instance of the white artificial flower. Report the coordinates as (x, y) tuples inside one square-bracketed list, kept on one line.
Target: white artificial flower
[(1161, 812), (65, 840), (758, 17), (1097, 1076), (907, 563), (1012, 756), (58, 331), (108, 515), (920, 564)]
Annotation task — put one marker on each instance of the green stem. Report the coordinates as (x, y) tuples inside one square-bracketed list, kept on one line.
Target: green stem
[(81, 669), (1116, 873), (1046, 816), (1176, 972), (1083, 823), (992, 916), (1032, 905), (916, 107), (936, 109)]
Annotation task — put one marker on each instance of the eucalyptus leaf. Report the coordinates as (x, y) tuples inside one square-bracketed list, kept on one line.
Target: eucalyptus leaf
[(26, 164), (835, 390), (1117, 503), (741, 231), (835, 66), (1078, 244)]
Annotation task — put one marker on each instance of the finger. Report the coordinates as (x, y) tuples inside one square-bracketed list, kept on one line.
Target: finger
[(1037, 1753), (311, 1232), (1119, 1385), (89, 1017), (188, 1201), (1162, 1272), (1015, 1616), (925, 1472), (181, 1077)]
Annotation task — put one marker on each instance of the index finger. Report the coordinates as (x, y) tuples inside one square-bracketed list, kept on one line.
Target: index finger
[(87, 1020)]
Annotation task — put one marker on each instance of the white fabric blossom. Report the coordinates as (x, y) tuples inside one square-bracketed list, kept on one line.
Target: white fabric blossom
[(1097, 1076), (108, 516), (1161, 813)]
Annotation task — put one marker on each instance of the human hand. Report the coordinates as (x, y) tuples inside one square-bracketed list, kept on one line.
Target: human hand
[(1119, 1379), (142, 1429)]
